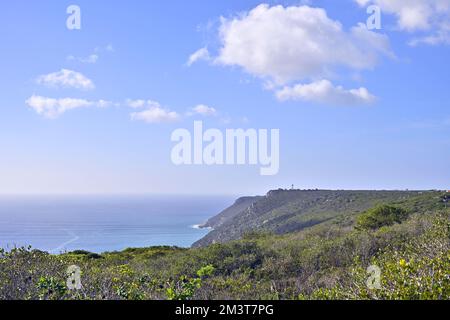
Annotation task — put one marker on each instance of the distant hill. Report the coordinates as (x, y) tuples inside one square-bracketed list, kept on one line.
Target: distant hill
[(239, 205), (286, 211)]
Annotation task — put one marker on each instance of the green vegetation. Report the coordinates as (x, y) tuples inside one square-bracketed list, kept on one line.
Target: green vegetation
[(407, 237), (287, 211), (185, 288), (381, 216)]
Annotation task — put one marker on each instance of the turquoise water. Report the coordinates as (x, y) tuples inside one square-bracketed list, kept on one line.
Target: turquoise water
[(104, 223)]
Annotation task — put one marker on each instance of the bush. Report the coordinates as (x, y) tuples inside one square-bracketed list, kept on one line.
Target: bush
[(185, 288), (381, 216), (87, 254)]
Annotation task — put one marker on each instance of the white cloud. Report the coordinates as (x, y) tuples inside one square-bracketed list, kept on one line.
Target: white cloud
[(152, 113), (201, 54), (438, 38), (136, 104), (105, 104), (325, 92), (67, 79), (91, 59), (284, 44), (429, 16), (94, 57), (204, 110), (287, 45), (53, 108), (155, 115)]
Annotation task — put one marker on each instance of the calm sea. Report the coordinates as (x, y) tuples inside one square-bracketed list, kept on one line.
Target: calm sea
[(104, 223)]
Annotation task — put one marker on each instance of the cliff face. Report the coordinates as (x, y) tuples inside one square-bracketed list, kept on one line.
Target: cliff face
[(285, 211), (240, 205)]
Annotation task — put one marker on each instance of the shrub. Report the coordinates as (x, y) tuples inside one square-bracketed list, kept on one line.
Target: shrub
[(185, 288), (381, 216), (51, 288)]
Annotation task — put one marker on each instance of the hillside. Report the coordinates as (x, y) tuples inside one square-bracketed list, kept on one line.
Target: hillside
[(286, 211), (239, 205), (405, 235)]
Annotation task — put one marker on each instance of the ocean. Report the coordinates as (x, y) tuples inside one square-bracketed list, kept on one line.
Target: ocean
[(104, 223)]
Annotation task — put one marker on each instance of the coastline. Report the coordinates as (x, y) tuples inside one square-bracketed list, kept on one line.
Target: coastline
[(105, 223)]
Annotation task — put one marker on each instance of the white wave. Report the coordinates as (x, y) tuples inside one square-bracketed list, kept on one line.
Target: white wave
[(62, 247)]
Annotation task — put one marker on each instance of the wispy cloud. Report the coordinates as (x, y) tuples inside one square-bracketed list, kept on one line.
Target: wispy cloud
[(428, 18), (150, 111), (203, 110), (153, 112), (66, 79), (325, 92), (93, 57), (155, 115), (201, 54), (141, 103), (53, 108)]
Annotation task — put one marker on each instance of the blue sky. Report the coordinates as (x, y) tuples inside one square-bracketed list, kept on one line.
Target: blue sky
[(393, 135)]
